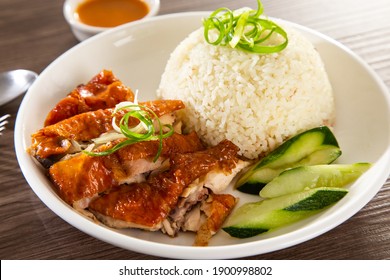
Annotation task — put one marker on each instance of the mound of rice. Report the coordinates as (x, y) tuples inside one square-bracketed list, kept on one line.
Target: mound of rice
[(256, 101)]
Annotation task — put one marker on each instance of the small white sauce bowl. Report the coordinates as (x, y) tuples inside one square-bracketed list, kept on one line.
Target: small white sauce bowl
[(83, 31)]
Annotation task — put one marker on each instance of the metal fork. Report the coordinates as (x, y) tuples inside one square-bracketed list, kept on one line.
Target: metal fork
[(3, 122)]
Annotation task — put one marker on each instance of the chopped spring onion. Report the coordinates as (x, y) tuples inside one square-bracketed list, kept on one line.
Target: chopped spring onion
[(143, 131), (245, 29)]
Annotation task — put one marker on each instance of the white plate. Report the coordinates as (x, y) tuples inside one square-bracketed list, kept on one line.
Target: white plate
[(137, 54)]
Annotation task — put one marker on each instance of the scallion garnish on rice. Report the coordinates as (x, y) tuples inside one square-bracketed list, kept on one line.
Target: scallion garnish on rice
[(245, 29), (143, 131)]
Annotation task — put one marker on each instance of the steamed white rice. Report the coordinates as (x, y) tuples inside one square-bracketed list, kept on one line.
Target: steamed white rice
[(256, 101)]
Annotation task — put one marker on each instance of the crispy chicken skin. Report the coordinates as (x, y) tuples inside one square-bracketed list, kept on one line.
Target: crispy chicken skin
[(217, 207), (146, 205), (54, 140), (141, 205), (103, 91), (80, 178)]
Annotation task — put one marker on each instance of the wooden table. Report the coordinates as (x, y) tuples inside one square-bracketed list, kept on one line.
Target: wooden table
[(34, 33)]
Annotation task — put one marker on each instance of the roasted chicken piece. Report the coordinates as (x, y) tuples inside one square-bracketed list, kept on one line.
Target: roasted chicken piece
[(52, 142), (82, 178), (189, 217), (101, 92), (216, 208), (147, 205)]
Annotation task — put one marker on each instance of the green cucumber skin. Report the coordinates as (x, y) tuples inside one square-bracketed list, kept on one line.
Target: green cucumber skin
[(255, 218), (318, 200), (244, 232), (251, 188), (326, 151), (316, 176), (254, 185), (328, 139), (323, 156), (270, 221)]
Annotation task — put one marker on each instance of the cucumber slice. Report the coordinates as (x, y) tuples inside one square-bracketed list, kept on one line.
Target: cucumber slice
[(254, 218), (316, 176), (312, 147)]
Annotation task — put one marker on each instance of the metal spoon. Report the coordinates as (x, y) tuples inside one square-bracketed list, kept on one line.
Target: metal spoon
[(14, 83)]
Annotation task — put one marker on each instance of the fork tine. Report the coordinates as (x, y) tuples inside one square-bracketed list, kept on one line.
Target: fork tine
[(3, 122), (5, 117)]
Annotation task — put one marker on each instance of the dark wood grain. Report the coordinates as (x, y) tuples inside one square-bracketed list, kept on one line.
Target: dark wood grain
[(34, 33)]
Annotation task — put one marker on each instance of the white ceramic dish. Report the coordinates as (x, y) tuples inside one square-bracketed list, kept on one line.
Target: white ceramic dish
[(83, 31), (137, 54)]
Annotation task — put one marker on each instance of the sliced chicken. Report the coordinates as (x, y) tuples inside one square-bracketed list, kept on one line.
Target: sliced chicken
[(216, 208), (152, 204), (54, 141), (139, 205), (101, 92), (81, 178), (214, 182)]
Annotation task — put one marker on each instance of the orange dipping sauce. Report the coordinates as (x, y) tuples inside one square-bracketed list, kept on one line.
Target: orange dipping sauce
[(111, 13)]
